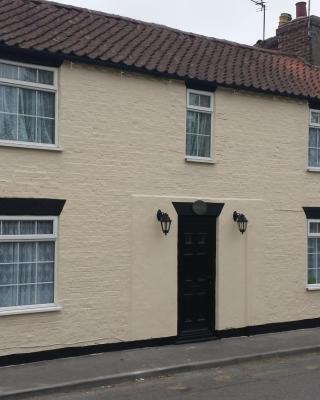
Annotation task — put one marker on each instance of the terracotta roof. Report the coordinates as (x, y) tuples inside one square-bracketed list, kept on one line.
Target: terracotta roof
[(72, 32)]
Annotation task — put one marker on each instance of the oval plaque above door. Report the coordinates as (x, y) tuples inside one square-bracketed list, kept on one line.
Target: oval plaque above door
[(200, 207)]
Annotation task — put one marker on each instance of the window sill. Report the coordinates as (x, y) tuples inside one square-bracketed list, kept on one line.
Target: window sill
[(30, 310), (32, 146), (313, 169), (313, 287), (200, 160)]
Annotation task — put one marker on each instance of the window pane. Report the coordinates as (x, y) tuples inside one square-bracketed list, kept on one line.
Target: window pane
[(45, 227), (314, 227), (26, 128), (8, 274), (8, 127), (191, 145), (8, 252), (8, 71), (204, 146), (46, 131), (26, 295), (312, 245), (27, 251), (194, 99), (312, 276), (314, 137), (204, 124), (27, 74), (45, 104), (192, 121), (27, 102), (8, 99), (45, 272), (312, 261), (10, 227), (315, 117), (45, 293), (8, 296), (313, 158), (45, 77), (27, 227), (205, 101), (46, 251), (27, 273)]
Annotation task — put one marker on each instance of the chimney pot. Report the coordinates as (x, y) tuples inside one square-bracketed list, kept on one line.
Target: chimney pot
[(301, 9), (284, 19)]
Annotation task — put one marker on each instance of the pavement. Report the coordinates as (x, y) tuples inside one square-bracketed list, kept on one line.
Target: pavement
[(74, 373)]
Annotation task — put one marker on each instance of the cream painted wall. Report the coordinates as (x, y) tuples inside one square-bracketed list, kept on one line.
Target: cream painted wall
[(123, 141)]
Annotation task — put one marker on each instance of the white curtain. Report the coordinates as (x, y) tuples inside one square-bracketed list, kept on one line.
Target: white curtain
[(8, 111), (45, 113), (26, 273), (314, 147), (27, 115), (313, 260), (8, 71), (198, 134), (27, 74)]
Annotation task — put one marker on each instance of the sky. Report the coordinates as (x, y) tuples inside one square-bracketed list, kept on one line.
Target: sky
[(236, 20)]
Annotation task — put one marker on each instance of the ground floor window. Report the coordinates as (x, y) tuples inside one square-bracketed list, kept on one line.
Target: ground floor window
[(27, 261), (313, 252)]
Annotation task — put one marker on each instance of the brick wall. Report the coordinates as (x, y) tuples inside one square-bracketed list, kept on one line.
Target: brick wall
[(293, 38), (299, 37)]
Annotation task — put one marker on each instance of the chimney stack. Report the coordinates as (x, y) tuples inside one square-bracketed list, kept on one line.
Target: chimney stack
[(284, 19), (301, 9), (300, 37)]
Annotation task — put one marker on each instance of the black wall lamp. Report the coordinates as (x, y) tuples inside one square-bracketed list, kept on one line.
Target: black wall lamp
[(241, 220), (165, 221)]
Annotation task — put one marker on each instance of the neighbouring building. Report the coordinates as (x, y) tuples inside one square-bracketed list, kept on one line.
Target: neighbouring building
[(105, 120)]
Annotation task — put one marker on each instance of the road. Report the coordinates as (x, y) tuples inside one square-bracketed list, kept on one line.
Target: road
[(294, 378)]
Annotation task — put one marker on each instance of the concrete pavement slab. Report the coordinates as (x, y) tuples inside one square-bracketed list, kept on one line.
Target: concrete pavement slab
[(118, 366)]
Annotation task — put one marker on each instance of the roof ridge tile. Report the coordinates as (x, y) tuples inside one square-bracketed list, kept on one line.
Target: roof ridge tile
[(155, 25)]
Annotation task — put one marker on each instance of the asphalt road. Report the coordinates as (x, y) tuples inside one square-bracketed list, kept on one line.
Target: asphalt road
[(294, 378)]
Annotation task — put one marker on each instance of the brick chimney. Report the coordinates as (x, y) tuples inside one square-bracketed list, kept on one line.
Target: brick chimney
[(301, 9), (300, 36), (284, 19)]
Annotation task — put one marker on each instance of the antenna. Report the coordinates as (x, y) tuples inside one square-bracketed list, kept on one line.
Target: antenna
[(309, 19), (262, 5), (309, 8)]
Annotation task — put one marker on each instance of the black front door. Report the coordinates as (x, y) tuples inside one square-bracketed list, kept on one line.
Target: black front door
[(196, 275)]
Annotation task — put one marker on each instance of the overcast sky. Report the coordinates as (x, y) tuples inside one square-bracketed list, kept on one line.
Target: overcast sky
[(236, 20)]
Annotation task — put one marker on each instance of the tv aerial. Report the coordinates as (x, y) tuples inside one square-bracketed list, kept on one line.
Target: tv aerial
[(262, 7)]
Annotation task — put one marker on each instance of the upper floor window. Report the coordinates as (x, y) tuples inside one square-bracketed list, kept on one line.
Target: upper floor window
[(199, 125), (27, 104), (314, 139)]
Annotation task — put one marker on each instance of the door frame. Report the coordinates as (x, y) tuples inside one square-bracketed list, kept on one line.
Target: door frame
[(210, 222), (186, 209)]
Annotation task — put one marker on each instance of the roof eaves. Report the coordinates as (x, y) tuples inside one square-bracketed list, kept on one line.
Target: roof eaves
[(131, 68)]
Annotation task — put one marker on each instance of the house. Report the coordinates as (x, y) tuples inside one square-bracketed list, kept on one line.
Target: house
[(112, 131)]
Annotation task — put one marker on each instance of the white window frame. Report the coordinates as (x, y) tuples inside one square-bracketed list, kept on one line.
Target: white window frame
[(34, 308), (208, 110), (312, 286), (37, 86), (312, 125)]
